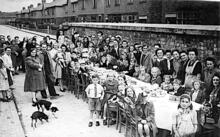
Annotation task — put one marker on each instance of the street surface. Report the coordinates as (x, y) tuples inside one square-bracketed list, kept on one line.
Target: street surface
[(73, 114)]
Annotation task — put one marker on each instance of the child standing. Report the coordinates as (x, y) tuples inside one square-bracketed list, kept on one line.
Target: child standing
[(95, 93), (4, 85), (185, 119)]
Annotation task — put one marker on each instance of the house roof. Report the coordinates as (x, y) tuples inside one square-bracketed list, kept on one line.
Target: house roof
[(56, 3), (37, 8), (72, 1), (25, 11)]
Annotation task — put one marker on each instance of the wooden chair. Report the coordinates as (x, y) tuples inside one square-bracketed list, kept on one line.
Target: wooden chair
[(121, 115), (71, 83), (84, 84), (111, 109), (131, 129)]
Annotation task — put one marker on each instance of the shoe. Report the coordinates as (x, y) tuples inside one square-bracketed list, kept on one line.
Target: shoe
[(9, 98), (62, 90), (97, 123), (90, 124), (34, 101), (3, 100), (57, 95), (112, 122), (104, 122), (44, 97), (16, 73)]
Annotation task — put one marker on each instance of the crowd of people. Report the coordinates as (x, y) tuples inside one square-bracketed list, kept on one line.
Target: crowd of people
[(180, 73)]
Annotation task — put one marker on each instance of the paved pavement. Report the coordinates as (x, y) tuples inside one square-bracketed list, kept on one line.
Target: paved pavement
[(32, 32), (10, 125), (72, 118)]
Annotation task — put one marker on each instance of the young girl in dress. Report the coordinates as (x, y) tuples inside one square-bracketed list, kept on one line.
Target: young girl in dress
[(167, 85), (197, 94), (143, 75), (185, 119), (4, 86), (136, 70)]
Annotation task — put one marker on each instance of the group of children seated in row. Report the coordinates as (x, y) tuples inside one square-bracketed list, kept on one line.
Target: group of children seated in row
[(116, 91)]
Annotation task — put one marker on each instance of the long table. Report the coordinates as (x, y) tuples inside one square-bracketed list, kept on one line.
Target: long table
[(164, 108)]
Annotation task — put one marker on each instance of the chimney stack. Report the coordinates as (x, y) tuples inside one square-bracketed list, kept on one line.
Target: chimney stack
[(43, 1), (31, 6)]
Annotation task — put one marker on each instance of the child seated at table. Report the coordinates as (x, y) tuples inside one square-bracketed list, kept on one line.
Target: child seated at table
[(167, 85), (155, 76), (184, 121), (130, 97), (146, 115), (111, 89), (178, 90), (197, 94), (95, 94), (122, 80), (143, 75), (136, 70)]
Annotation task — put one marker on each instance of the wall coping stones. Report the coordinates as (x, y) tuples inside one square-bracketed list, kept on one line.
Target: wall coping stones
[(206, 30)]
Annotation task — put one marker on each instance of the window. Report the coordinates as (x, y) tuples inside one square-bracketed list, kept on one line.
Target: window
[(94, 4), (83, 4), (52, 11), (130, 2), (108, 3), (73, 7), (117, 2), (143, 1)]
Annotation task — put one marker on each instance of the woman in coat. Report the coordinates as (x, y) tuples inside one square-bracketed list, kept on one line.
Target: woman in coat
[(34, 78), (213, 97)]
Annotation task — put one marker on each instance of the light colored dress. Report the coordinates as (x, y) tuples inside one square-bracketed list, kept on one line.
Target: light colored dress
[(185, 122), (52, 53), (3, 82)]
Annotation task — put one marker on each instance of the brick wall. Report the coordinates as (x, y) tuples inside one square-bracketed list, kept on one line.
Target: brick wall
[(207, 42)]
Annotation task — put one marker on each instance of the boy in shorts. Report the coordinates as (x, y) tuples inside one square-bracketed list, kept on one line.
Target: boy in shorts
[(95, 93)]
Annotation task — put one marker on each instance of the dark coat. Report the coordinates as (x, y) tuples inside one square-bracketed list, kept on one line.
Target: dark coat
[(48, 67), (164, 68), (200, 97), (145, 111), (181, 74), (180, 91), (34, 79)]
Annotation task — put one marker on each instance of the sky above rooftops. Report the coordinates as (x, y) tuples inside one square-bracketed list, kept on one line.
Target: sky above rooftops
[(16, 5)]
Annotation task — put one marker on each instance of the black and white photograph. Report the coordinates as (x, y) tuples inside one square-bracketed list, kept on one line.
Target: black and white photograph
[(110, 68)]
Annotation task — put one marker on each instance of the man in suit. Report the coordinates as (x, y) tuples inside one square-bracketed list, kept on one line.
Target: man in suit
[(146, 58), (114, 49), (48, 68), (166, 65)]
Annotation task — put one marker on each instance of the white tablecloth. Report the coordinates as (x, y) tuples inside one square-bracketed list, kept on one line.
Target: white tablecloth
[(164, 108)]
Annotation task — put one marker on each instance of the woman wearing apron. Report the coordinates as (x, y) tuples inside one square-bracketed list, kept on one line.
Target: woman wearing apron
[(193, 68)]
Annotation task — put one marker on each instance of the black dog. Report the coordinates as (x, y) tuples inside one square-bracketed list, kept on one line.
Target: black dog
[(38, 115), (41, 104)]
